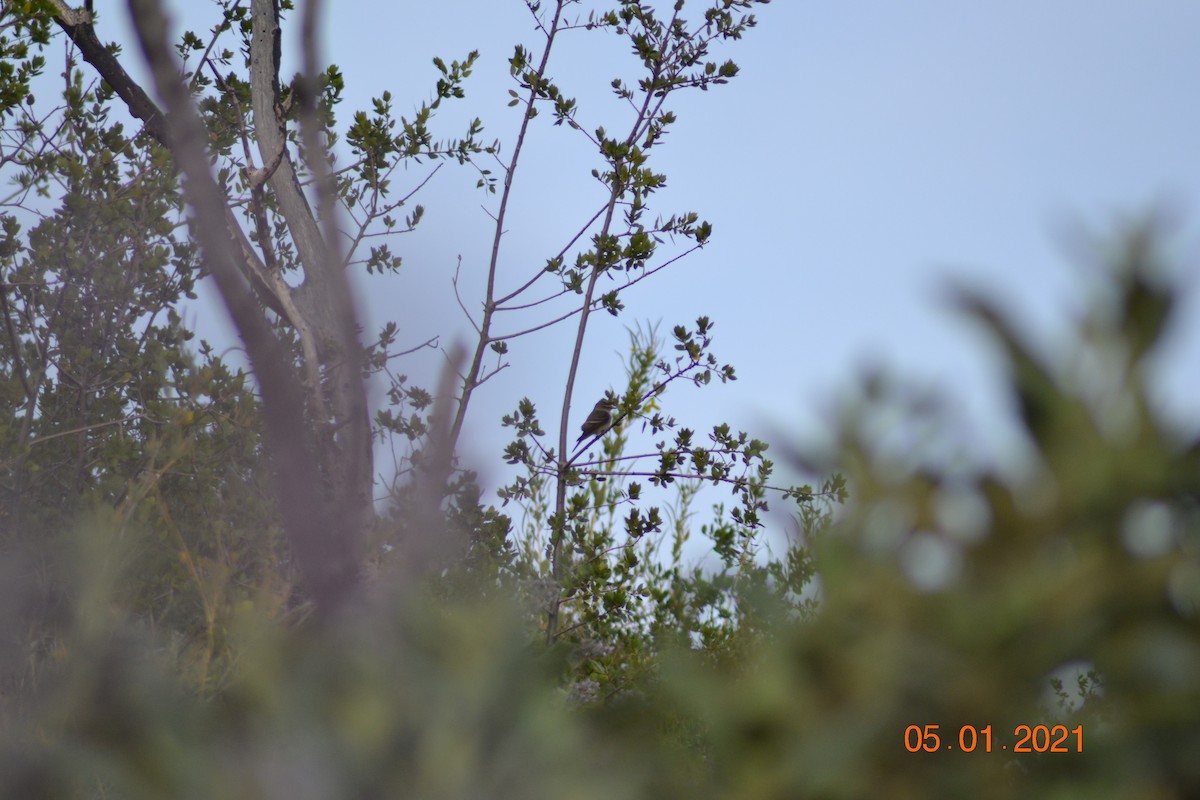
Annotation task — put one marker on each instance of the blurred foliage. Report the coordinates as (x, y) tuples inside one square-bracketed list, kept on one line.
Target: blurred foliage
[(106, 410), (949, 595), (152, 643)]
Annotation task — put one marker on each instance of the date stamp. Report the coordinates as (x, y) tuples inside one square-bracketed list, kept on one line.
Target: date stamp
[(1025, 739)]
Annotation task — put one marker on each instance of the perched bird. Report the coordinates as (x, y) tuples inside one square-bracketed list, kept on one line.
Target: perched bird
[(600, 420)]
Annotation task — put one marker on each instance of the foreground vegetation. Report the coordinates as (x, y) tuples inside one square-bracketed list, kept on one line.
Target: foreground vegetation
[(196, 600)]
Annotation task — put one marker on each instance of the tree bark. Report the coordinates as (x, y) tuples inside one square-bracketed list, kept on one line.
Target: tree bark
[(323, 481), (323, 299)]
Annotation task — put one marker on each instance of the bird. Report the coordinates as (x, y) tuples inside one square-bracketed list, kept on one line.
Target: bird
[(600, 420)]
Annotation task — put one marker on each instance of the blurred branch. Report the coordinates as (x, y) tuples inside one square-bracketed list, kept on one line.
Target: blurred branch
[(307, 518)]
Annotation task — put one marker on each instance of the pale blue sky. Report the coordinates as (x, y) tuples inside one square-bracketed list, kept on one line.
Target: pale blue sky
[(867, 151)]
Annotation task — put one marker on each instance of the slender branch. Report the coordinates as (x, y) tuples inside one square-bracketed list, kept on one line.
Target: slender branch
[(216, 34), (567, 315), (739, 481), (615, 192), (256, 178), (374, 213), (93, 426), (458, 298), (578, 235), (489, 304), (430, 342)]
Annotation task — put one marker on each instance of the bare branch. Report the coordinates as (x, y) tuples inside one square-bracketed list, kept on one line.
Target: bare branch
[(458, 297), (489, 304)]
